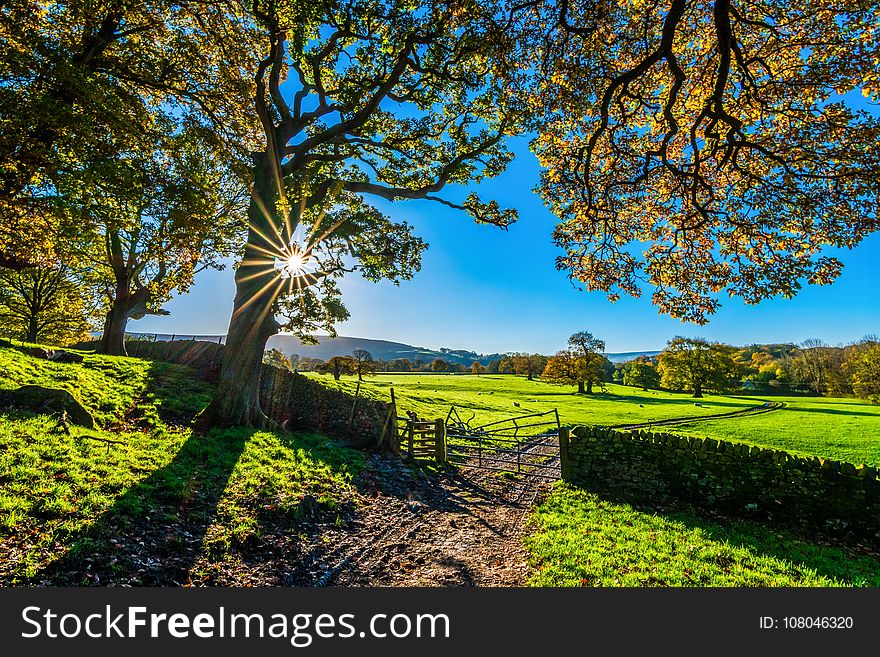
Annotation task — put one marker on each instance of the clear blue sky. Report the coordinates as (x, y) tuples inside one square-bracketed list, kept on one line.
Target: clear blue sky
[(489, 290)]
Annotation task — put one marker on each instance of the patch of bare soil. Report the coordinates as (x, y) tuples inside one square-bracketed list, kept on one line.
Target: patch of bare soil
[(403, 526), (414, 528)]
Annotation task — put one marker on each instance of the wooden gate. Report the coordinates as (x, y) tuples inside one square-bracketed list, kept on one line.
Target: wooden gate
[(423, 439)]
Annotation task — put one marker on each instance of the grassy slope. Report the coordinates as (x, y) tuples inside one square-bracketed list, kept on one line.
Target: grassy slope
[(583, 540), (844, 429), (61, 496)]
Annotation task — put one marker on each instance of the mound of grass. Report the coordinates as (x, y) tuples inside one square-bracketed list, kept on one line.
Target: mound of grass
[(583, 540), (141, 499), (111, 387)]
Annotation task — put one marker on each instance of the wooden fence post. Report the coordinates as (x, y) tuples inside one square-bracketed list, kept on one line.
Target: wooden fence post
[(410, 437), (563, 452), (440, 440)]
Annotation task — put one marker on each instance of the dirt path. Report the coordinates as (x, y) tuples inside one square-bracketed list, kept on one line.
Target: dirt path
[(418, 529), (766, 407)]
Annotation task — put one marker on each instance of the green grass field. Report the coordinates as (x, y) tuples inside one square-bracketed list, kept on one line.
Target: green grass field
[(579, 539), (492, 397), (843, 429)]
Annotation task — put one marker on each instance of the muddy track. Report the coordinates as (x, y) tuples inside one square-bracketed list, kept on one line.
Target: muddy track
[(766, 407), (462, 527)]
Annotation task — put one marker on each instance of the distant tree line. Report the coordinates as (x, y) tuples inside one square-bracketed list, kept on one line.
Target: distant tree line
[(697, 366), (528, 365), (690, 365)]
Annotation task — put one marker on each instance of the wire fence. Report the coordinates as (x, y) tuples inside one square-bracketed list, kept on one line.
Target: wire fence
[(171, 337)]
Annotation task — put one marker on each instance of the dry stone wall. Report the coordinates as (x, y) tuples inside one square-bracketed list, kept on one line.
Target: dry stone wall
[(808, 493)]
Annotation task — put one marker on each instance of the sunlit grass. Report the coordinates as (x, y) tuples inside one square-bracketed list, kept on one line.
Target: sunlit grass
[(579, 539), (844, 429)]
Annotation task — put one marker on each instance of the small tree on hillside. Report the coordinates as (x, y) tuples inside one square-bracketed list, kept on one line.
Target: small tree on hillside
[(276, 358), (531, 365), (477, 368), (697, 365), (439, 365), (400, 365), (337, 366), (641, 375), (363, 363), (42, 304), (307, 364), (506, 364)]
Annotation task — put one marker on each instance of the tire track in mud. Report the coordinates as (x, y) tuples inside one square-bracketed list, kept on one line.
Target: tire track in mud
[(462, 527)]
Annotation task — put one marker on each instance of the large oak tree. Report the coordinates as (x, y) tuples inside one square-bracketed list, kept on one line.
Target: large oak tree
[(699, 147), (360, 99)]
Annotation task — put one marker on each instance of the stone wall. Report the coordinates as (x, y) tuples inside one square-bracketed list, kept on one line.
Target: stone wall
[(297, 402), (807, 493), (292, 400)]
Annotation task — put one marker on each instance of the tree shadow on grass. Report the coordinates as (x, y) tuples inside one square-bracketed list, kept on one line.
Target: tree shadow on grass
[(831, 411), (153, 533), (827, 555)]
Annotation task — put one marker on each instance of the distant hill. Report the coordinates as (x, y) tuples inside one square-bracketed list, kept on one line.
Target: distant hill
[(386, 350), (625, 356), (380, 349)]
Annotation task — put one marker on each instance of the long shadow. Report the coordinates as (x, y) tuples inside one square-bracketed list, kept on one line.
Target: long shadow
[(153, 533), (837, 561), (832, 411), (826, 555)]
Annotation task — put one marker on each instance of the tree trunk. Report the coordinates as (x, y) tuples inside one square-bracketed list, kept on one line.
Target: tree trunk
[(580, 387), (698, 390), (113, 338), (32, 329), (257, 284), (589, 387)]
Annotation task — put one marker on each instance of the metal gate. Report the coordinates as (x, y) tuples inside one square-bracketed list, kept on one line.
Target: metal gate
[(524, 445)]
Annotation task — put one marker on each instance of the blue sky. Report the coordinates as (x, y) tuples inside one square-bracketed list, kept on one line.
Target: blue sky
[(489, 290)]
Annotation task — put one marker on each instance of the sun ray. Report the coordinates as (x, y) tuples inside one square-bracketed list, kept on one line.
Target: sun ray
[(267, 308), (266, 272), (269, 253), (256, 295), (273, 240)]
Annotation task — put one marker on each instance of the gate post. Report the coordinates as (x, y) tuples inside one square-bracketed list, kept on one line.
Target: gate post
[(563, 452), (440, 440), (410, 431)]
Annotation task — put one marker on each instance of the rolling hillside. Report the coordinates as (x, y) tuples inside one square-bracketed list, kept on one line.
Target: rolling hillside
[(379, 349)]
